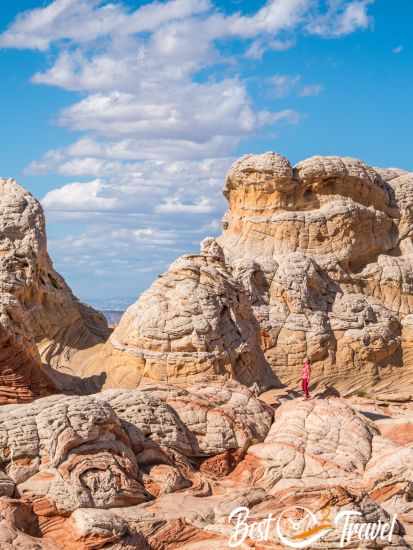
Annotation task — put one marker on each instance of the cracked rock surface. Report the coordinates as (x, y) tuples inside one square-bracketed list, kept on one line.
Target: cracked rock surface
[(149, 438), (163, 467), (315, 260), (41, 321)]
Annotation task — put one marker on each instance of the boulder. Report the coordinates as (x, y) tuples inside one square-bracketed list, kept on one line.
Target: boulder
[(203, 420)]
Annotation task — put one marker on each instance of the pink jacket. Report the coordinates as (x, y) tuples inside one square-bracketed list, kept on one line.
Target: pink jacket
[(306, 371)]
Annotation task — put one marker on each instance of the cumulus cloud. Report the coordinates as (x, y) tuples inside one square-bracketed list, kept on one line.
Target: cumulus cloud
[(136, 221), (150, 188), (341, 18), (134, 256), (79, 197), (398, 49), (182, 112), (82, 21), (135, 149), (160, 110)]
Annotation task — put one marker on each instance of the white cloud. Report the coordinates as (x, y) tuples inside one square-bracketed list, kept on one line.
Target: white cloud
[(398, 49), (150, 188), (161, 112), (133, 149), (274, 16), (103, 250), (181, 112), (83, 21), (79, 197), (174, 206), (141, 87), (283, 84), (341, 18), (258, 47), (287, 116)]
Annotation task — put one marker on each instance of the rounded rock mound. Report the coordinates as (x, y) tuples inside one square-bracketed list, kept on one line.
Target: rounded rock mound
[(314, 261), (41, 322)]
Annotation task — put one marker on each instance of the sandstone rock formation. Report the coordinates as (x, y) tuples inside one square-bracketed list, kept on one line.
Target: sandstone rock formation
[(315, 260), (71, 459), (40, 319), (320, 439), (123, 469), (205, 421)]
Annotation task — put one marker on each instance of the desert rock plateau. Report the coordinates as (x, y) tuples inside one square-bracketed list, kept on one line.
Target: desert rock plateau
[(150, 435)]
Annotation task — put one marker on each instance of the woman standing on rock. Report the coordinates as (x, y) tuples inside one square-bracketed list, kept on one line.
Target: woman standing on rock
[(306, 377)]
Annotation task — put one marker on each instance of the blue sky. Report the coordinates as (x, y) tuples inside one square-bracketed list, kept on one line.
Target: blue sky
[(123, 117)]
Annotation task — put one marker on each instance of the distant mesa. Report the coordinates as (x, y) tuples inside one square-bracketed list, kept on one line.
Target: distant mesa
[(112, 316)]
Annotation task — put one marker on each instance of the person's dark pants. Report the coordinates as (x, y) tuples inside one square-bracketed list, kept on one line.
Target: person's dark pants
[(305, 388)]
